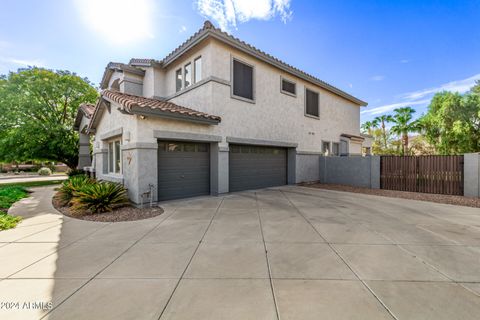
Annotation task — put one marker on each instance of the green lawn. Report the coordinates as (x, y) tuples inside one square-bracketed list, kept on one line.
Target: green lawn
[(32, 183), (8, 196)]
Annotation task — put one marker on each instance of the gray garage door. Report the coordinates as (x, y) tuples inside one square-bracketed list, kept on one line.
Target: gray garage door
[(183, 170), (253, 167)]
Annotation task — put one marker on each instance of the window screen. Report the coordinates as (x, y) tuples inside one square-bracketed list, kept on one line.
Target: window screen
[(311, 102), (110, 157), (325, 147), (289, 86), (242, 80), (198, 69), (188, 75), (117, 157), (178, 80), (335, 149)]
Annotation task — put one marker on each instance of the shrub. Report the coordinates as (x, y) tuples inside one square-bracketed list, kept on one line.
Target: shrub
[(75, 172), (100, 197), (7, 221), (72, 185), (10, 195), (45, 171)]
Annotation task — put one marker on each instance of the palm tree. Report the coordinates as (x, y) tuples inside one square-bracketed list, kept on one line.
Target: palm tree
[(367, 126), (382, 120), (404, 125)]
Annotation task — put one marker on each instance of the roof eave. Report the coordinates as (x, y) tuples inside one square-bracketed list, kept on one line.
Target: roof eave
[(145, 111)]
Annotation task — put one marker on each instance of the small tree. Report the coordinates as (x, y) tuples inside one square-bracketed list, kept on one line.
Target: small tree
[(37, 111), (383, 119)]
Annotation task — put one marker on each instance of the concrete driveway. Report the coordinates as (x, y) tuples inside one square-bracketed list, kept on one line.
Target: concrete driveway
[(283, 253)]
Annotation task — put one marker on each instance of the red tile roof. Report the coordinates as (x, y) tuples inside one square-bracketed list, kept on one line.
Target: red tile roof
[(88, 109), (128, 101)]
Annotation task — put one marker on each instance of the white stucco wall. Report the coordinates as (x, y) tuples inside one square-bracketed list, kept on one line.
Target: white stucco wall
[(273, 116)]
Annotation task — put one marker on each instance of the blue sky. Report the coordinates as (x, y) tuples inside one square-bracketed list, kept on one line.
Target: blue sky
[(388, 53)]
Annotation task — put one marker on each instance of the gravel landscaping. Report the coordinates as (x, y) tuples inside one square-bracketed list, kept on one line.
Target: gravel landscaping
[(438, 198), (125, 213)]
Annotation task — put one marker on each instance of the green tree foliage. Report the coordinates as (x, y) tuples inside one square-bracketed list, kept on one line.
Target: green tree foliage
[(37, 111), (452, 122), (369, 126), (404, 125)]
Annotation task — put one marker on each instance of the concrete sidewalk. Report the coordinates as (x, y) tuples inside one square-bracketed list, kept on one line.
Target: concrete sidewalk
[(283, 253)]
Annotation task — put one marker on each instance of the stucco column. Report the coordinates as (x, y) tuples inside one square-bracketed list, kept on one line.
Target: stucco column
[(140, 171), (84, 159), (219, 154), (100, 158), (471, 175)]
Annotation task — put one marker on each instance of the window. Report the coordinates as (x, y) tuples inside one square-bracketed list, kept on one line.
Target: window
[(335, 149), (114, 157), (242, 80), (343, 147), (197, 65), (117, 157), (289, 87), (311, 103), (188, 75), (178, 80), (326, 148)]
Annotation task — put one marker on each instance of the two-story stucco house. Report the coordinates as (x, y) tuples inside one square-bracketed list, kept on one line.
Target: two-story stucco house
[(214, 116)]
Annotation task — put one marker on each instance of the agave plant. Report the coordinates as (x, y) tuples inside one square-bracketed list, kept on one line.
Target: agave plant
[(73, 184), (100, 197)]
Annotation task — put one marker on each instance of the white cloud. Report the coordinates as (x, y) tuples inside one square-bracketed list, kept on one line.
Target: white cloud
[(404, 61), (182, 29), (460, 86), (423, 97), (377, 78), (228, 13), (390, 107), (118, 21), (23, 62)]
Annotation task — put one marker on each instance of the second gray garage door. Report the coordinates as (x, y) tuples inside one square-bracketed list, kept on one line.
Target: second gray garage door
[(254, 167), (183, 170)]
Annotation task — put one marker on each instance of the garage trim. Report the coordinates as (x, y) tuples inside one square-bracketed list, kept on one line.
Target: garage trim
[(266, 143), (185, 136)]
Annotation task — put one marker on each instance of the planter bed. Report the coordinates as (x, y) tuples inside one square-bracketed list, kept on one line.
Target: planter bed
[(124, 213), (438, 198)]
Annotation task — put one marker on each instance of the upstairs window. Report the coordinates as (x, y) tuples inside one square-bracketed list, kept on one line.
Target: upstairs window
[(311, 103), (178, 80), (242, 80), (187, 73), (289, 87), (197, 65)]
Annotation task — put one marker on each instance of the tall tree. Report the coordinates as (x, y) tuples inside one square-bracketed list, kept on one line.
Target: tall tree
[(452, 122), (37, 111), (404, 125), (383, 119)]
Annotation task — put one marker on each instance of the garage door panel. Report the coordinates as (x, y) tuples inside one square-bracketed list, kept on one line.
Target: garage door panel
[(253, 167), (183, 170)]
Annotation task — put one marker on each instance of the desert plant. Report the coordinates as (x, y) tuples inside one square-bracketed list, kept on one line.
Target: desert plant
[(75, 172), (100, 197), (73, 184), (44, 171)]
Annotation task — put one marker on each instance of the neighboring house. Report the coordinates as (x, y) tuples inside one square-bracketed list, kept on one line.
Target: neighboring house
[(367, 144), (215, 115)]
